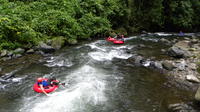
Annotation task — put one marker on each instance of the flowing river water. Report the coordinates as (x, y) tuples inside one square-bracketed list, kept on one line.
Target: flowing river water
[(98, 77)]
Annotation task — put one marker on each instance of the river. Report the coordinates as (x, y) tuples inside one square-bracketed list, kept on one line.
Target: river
[(98, 77)]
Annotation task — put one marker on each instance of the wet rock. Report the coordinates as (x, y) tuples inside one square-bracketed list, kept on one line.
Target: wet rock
[(40, 52), (156, 65), (30, 51), (6, 58), (181, 65), (192, 78), (192, 66), (8, 76), (128, 51), (186, 38), (131, 60), (163, 50), (138, 60), (164, 41), (10, 53), (18, 55), (18, 51), (4, 53), (181, 107), (141, 45), (192, 49), (45, 48), (194, 41), (174, 41), (196, 46), (168, 65), (146, 63), (178, 52), (197, 95)]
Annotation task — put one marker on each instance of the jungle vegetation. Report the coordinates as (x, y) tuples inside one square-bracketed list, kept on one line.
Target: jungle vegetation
[(23, 23)]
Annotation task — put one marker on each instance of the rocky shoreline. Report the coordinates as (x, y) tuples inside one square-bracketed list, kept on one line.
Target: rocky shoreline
[(182, 70)]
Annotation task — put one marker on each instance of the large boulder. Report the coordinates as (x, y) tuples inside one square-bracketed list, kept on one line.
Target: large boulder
[(180, 50), (18, 51), (168, 65), (45, 48), (30, 51), (3, 53), (156, 65), (192, 78)]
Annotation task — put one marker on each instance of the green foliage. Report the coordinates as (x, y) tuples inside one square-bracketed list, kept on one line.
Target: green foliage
[(28, 21), (9, 45), (15, 33), (121, 31), (23, 23), (58, 42), (158, 15), (196, 17), (147, 14), (92, 25), (181, 13)]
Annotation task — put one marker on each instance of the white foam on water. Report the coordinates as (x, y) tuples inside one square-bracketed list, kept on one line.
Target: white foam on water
[(123, 47), (103, 56), (16, 79), (104, 53), (163, 34), (87, 87), (94, 46), (117, 52), (151, 39), (58, 62), (147, 63), (129, 38)]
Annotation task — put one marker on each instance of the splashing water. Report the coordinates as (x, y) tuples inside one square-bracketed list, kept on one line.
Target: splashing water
[(88, 88)]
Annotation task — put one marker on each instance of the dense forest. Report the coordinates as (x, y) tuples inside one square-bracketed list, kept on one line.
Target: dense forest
[(23, 23)]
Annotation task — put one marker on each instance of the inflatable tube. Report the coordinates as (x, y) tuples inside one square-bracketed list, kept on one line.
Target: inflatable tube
[(47, 89), (110, 39), (118, 42)]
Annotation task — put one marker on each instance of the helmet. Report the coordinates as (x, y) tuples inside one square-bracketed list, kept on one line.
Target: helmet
[(39, 79)]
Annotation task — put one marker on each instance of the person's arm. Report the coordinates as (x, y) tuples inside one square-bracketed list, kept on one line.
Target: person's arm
[(42, 88), (58, 83)]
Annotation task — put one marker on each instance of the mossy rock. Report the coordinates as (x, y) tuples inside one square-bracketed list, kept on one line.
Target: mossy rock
[(72, 41), (58, 42)]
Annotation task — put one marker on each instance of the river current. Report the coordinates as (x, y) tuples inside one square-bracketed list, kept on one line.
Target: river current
[(99, 78)]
